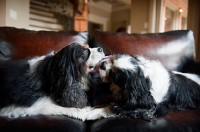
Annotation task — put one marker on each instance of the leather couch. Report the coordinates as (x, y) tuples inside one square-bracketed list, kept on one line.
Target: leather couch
[(175, 49)]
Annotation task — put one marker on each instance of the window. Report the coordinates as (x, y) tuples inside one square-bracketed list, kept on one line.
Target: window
[(169, 19)]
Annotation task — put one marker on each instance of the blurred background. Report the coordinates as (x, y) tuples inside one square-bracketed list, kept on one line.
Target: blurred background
[(139, 16), (131, 16)]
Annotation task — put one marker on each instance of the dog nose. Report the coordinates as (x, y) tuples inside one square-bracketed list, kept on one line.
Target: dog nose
[(100, 49), (103, 65)]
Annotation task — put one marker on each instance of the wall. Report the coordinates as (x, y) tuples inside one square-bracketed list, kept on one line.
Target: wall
[(16, 13), (139, 16), (120, 19), (99, 16), (3, 12)]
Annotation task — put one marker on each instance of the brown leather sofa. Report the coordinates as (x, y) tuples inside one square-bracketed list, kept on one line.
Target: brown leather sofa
[(175, 49)]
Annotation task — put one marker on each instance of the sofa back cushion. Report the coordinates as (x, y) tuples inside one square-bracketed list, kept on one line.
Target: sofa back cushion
[(173, 48), (27, 43)]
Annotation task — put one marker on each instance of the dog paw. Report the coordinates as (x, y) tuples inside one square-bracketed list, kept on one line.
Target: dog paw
[(88, 109), (99, 113)]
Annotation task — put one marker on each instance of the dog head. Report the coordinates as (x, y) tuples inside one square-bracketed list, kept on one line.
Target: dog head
[(96, 54), (62, 73), (128, 73), (76, 60)]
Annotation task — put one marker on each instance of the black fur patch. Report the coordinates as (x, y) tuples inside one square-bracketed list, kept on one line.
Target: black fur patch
[(183, 93)]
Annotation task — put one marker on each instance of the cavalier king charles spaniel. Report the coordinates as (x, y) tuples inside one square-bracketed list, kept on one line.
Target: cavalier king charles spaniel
[(53, 84), (143, 88)]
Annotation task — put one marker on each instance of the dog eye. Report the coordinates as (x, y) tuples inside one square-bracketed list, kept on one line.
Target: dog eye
[(90, 67)]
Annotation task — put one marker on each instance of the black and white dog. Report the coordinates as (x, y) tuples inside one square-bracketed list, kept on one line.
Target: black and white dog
[(144, 89), (50, 85)]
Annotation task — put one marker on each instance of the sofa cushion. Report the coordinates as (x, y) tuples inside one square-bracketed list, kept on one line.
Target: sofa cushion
[(178, 121), (172, 48), (42, 123), (27, 43)]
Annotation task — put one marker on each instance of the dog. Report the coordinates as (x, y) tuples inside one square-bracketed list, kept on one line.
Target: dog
[(143, 88), (53, 84)]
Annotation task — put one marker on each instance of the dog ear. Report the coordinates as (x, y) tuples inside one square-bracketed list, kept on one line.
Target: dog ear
[(68, 64), (136, 89), (136, 98), (62, 71), (59, 71), (134, 85)]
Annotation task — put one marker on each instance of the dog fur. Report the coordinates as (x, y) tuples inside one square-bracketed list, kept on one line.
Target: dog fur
[(54, 84), (144, 89)]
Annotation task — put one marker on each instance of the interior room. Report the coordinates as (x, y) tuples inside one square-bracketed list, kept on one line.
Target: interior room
[(164, 33)]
